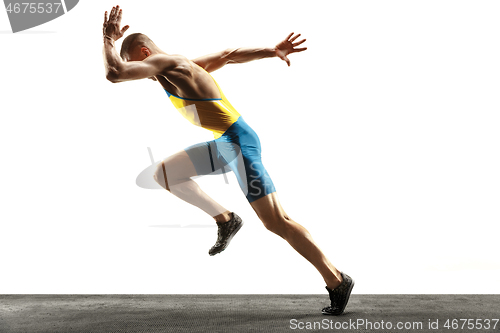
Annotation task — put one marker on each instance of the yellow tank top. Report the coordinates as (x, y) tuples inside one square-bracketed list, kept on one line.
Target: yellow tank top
[(215, 114)]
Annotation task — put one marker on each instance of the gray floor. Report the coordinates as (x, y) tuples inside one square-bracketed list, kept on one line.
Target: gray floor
[(240, 313)]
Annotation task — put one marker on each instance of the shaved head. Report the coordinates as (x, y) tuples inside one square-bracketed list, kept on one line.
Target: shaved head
[(134, 42)]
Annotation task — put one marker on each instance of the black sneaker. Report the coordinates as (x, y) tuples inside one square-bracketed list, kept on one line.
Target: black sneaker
[(225, 233), (339, 296)]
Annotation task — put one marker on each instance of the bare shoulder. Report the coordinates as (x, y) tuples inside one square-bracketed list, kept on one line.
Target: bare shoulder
[(167, 60), (189, 80), (184, 67), (171, 62)]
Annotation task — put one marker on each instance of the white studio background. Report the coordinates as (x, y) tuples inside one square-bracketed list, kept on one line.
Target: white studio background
[(382, 140)]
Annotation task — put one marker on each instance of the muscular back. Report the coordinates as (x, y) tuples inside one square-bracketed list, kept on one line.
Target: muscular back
[(188, 80)]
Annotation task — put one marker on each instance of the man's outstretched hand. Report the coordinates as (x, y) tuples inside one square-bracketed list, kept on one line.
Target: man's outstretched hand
[(288, 46), (111, 27)]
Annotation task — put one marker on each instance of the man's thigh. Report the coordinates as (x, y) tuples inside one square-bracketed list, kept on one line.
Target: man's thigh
[(173, 169), (197, 160), (178, 166)]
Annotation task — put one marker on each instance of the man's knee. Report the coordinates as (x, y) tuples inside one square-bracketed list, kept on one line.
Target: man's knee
[(160, 176), (277, 224)]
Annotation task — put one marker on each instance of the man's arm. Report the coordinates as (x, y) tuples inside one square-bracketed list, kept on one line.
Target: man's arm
[(214, 61), (217, 60), (118, 70)]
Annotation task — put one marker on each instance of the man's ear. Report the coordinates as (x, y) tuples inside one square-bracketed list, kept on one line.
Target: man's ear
[(145, 51)]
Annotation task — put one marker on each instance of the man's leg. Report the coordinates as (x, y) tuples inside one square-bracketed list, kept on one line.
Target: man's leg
[(275, 219), (174, 174)]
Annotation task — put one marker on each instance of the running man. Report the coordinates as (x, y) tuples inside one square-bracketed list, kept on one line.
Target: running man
[(236, 147)]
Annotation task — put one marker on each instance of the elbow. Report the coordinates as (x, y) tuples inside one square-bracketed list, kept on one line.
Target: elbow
[(112, 75), (112, 78), (226, 55)]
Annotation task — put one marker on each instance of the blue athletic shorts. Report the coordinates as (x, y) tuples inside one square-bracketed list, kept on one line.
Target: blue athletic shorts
[(237, 150)]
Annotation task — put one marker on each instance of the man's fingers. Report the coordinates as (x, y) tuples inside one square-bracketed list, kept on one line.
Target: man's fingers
[(290, 35), (285, 58), (112, 16), (300, 49), (105, 17), (298, 43), (294, 38), (119, 20), (125, 28), (117, 11)]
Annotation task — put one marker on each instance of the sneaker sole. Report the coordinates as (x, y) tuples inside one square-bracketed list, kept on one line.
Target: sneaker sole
[(346, 301), (229, 238)]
